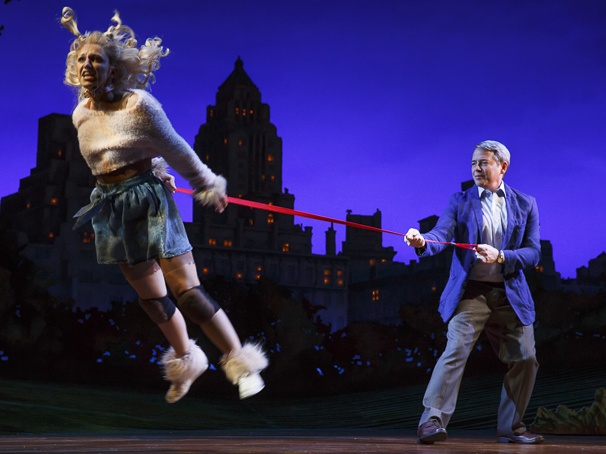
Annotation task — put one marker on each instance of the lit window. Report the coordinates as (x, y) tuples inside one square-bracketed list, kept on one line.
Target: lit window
[(239, 275), (371, 262), (228, 243), (28, 205), (54, 201), (87, 237), (59, 153), (270, 157), (251, 111), (539, 268), (326, 279), (212, 242), (270, 218), (273, 178), (285, 247), (51, 235), (237, 111), (375, 295), (340, 282), (211, 113), (205, 270), (251, 222), (225, 141), (240, 142), (243, 112)]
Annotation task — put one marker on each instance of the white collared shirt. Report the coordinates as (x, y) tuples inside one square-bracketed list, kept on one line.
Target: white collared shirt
[(494, 224)]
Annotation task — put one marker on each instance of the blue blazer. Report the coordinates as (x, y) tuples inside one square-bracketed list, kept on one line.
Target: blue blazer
[(462, 221)]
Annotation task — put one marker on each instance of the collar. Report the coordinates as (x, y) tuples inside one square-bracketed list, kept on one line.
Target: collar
[(500, 188)]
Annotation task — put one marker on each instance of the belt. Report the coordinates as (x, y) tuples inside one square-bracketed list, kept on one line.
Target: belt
[(126, 172), (487, 283)]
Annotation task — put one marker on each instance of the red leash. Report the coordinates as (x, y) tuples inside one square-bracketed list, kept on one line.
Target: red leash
[(291, 212)]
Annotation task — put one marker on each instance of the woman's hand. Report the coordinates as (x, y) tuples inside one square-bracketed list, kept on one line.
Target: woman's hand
[(214, 195), (169, 182), (221, 204)]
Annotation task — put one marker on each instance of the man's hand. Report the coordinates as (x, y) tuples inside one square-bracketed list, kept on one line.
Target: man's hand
[(414, 238), (486, 253)]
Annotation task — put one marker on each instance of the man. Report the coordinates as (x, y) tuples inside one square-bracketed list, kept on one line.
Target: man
[(486, 291)]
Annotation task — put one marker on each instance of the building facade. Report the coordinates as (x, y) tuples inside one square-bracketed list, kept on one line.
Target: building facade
[(237, 140)]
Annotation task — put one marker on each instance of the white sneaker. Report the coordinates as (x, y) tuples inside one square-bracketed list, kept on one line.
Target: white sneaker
[(249, 385)]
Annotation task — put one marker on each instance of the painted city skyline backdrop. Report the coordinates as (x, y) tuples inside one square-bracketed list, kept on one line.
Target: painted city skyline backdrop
[(379, 103)]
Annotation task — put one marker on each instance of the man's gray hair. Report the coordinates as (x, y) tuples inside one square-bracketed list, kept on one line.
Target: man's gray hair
[(501, 153)]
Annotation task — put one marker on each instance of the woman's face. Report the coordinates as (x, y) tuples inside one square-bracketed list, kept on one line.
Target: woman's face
[(93, 66)]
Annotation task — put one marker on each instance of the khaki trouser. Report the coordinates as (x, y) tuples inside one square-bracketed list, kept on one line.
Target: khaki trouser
[(485, 308)]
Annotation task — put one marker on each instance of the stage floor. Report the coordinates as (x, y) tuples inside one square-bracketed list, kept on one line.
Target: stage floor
[(294, 441)]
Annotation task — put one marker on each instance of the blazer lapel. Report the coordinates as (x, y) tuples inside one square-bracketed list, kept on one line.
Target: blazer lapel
[(511, 203), (476, 208)]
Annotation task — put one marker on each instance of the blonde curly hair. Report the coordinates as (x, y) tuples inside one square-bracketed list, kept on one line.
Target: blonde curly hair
[(133, 67)]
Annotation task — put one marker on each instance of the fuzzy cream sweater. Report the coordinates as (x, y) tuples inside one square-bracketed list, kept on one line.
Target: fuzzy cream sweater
[(110, 140)]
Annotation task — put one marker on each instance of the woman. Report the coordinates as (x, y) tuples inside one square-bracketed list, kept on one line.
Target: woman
[(124, 136)]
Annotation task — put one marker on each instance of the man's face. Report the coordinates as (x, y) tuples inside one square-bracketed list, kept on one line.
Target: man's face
[(486, 171)]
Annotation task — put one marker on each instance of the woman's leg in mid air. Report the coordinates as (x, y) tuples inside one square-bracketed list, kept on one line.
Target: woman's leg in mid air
[(184, 361), (147, 280), (241, 364)]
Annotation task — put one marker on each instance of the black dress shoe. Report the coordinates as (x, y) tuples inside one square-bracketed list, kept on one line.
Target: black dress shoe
[(431, 431), (527, 438)]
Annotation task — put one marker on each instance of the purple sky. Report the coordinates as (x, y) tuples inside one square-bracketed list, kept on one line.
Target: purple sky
[(379, 103)]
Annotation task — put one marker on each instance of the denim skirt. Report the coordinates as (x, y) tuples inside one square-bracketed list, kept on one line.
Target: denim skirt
[(134, 221)]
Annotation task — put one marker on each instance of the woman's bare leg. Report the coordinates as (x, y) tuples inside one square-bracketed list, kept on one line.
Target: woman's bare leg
[(181, 276), (222, 333), (184, 362), (175, 332), (147, 280)]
